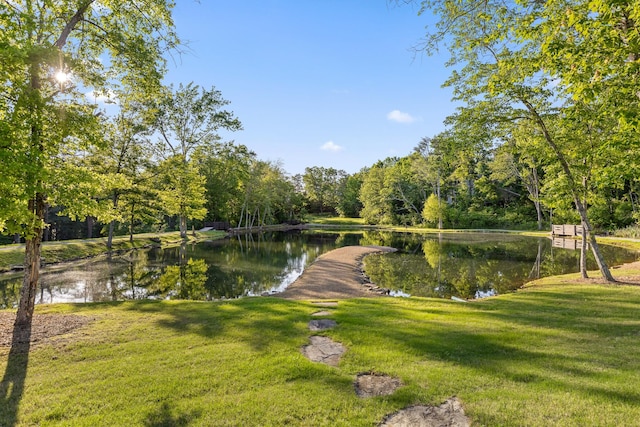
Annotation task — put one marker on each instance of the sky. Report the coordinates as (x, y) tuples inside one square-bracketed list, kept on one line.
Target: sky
[(331, 83)]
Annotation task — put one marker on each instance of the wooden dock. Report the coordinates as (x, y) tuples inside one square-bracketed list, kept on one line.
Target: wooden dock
[(573, 244), (566, 230)]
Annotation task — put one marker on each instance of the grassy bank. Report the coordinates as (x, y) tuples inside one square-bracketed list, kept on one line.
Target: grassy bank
[(552, 354), (70, 250)]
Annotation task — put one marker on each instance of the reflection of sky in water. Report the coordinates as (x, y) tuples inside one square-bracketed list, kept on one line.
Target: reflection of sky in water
[(251, 266), (294, 269), (227, 268), (398, 293)]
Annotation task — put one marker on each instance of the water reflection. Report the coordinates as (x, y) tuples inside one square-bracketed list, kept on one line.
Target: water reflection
[(464, 265), (473, 265)]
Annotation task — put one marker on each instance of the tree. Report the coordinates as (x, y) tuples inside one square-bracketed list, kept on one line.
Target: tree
[(269, 196), (322, 186), (434, 165), (374, 196), (405, 190), (122, 163), (540, 62), (434, 210), (349, 205), (225, 168), (182, 190), (520, 158), (187, 120), (98, 45)]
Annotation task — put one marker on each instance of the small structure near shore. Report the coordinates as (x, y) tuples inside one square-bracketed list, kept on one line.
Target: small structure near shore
[(569, 230)]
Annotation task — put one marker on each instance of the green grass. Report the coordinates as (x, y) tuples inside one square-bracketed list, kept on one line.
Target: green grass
[(551, 354), (334, 220), (70, 250)]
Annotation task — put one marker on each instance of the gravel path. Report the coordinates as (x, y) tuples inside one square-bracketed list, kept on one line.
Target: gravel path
[(335, 275)]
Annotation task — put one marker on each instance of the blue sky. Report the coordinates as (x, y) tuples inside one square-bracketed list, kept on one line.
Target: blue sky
[(330, 83)]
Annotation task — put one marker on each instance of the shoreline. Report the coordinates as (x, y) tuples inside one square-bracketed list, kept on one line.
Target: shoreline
[(336, 274)]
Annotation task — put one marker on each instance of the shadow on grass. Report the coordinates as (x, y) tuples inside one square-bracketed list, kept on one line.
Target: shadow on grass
[(258, 321), (575, 342), (12, 384), (164, 417)]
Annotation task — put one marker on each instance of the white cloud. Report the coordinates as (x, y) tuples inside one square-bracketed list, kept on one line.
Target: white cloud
[(400, 117), (331, 146)]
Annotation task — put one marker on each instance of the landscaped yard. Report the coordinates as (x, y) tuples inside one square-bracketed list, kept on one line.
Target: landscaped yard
[(553, 354)]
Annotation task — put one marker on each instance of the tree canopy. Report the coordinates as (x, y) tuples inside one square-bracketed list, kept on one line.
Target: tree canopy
[(50, 53)]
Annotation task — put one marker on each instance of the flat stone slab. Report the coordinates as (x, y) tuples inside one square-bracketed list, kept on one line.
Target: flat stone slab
[(371, 384), (325, 303), (323, 350), (322, 313), (449, 414), (322, 324)]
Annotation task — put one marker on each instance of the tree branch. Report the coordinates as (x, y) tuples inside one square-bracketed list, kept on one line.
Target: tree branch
[(77, 17)]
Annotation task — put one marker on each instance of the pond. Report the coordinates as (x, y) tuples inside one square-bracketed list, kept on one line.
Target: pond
[(466, 265)]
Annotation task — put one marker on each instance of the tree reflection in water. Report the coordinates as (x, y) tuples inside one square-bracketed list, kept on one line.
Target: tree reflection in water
[(471, 265), (466, 265)]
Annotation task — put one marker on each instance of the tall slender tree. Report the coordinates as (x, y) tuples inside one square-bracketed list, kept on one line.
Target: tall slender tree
[(543, 61), (48, 49), (187, 120)]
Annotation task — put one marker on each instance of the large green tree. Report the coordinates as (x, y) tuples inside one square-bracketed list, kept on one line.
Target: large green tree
[(322, 186), (549, 61), (225, 168), (188, 120), (48, 51)]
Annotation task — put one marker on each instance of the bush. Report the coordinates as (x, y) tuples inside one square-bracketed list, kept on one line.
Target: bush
[(632, 231)]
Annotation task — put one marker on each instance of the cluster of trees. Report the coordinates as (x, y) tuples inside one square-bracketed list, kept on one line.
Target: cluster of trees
[(558, 81), (549, 123)]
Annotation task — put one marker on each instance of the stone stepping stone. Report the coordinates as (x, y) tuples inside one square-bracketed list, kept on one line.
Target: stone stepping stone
[(325, 303), (322, 313), (449, 414), (322, 324), (372, 384), (323, 350)]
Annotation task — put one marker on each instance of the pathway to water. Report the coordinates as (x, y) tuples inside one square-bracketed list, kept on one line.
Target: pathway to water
[(338, 275)]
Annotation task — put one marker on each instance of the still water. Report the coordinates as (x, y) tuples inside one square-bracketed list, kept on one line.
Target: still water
[(467, 265)]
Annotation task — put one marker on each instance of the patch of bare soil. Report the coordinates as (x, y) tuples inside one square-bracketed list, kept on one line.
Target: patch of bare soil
[(626, 274), (336, 275), (43, 327), (449, 414), (372, 384)]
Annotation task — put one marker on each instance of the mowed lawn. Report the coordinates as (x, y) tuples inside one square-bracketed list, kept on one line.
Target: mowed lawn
[(553, 354)]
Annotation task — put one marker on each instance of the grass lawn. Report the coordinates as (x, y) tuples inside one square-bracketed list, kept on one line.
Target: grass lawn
[(552, 354), (334, 220)]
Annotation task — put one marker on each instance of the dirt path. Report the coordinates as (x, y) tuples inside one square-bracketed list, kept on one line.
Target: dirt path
[(334, 275)]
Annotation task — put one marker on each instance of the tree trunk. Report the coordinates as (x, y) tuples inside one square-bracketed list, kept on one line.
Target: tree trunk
[(113, 222), (588, 233), (36, 207), (183, 227), (110, 235), (440, 224), (582, 210), (539, 213), (132, 218), (90, 224), (583, 255), (31, 267)]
